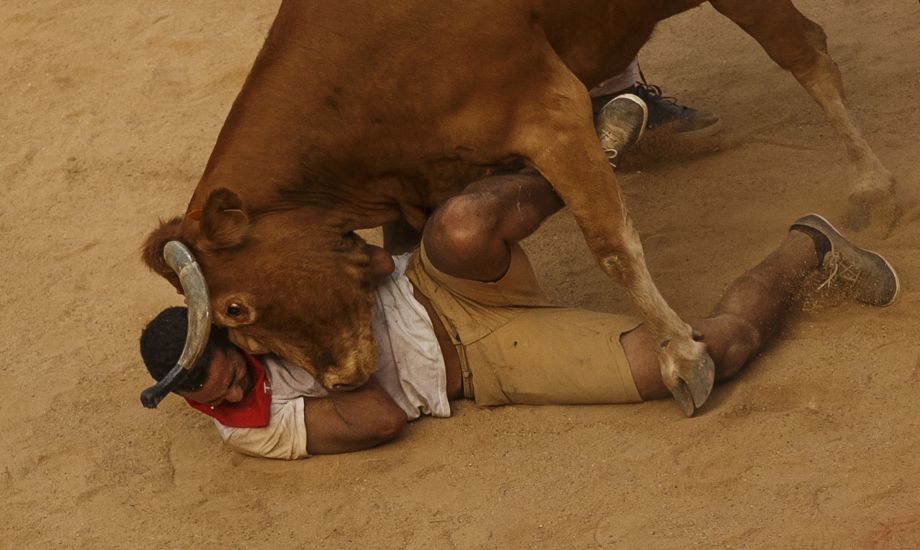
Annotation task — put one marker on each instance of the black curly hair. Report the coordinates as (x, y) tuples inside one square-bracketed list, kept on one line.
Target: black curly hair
[(162, 341)]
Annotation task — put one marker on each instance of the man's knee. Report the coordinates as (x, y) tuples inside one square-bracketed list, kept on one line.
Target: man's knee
[(464, 225)]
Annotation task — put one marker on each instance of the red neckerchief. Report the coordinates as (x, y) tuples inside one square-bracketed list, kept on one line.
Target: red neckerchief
[(254, 409)]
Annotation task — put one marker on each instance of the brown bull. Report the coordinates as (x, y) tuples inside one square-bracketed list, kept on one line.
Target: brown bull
[(358, 114)]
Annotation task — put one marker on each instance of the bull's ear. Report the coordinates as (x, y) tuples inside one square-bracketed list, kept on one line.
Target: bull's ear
[(223, 220), (152, 250)]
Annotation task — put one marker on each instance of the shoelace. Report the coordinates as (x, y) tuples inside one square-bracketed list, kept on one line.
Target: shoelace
[(611, 153), (839, 268), (611, 157), (655, 91)]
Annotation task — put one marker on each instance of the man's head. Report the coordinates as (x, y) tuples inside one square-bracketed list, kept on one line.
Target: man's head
[(219, 375)]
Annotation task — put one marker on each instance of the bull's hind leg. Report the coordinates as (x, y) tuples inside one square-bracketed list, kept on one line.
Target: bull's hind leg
[(556, 134), (799, 45)]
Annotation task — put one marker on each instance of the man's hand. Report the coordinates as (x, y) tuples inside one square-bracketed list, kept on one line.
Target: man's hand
[(351, 421)]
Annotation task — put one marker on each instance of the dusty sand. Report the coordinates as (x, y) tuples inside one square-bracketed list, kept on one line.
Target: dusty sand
[(109, 111)]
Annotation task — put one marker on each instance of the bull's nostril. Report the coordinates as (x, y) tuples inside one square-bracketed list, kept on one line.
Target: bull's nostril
[(344, 387)]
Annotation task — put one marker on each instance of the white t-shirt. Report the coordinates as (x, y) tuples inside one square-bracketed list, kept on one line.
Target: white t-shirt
[(410, 367)]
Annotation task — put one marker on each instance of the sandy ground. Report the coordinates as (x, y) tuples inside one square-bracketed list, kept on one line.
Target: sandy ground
[(108, 112)]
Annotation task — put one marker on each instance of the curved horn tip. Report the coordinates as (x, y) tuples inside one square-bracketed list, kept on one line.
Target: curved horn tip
[(152, 396)]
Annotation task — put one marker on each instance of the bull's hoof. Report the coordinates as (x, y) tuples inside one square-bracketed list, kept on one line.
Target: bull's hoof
[(693, 388), (688, 372), (874, 205)]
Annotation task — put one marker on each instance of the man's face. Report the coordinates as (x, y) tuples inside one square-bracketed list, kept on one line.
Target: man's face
[(228, 380)]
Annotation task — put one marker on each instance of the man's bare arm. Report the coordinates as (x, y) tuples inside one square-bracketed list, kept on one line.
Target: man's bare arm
[(352, 421)]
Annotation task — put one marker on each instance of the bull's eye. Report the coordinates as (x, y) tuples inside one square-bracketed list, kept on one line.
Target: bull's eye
[(234, 310)]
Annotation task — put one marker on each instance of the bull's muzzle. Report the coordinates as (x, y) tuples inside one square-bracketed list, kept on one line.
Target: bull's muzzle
[(181, 260)]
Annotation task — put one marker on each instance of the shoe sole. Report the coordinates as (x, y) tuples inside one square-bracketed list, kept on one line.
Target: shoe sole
[(873, 254), (702, 133), (671, 132)]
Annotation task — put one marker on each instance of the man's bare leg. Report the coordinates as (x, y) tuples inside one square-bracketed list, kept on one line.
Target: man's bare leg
[(470, 237), (755, 305)]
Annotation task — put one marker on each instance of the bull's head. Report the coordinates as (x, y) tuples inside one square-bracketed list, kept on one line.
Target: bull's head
[(286, 281)]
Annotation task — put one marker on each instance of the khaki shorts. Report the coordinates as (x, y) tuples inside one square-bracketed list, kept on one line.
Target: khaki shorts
[(515, 347)]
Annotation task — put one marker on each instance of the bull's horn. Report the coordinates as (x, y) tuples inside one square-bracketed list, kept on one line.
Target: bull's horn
[(195, 289)]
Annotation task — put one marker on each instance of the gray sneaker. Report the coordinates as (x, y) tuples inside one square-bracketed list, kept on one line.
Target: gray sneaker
[(619, 124), (666, 114), (869, 276)]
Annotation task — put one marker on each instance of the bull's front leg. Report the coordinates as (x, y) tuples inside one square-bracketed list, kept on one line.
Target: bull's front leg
[(686, 368), (565, 149), (799, 45)]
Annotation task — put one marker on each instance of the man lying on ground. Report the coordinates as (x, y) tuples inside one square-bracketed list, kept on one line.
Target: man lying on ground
[(463, 317)]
